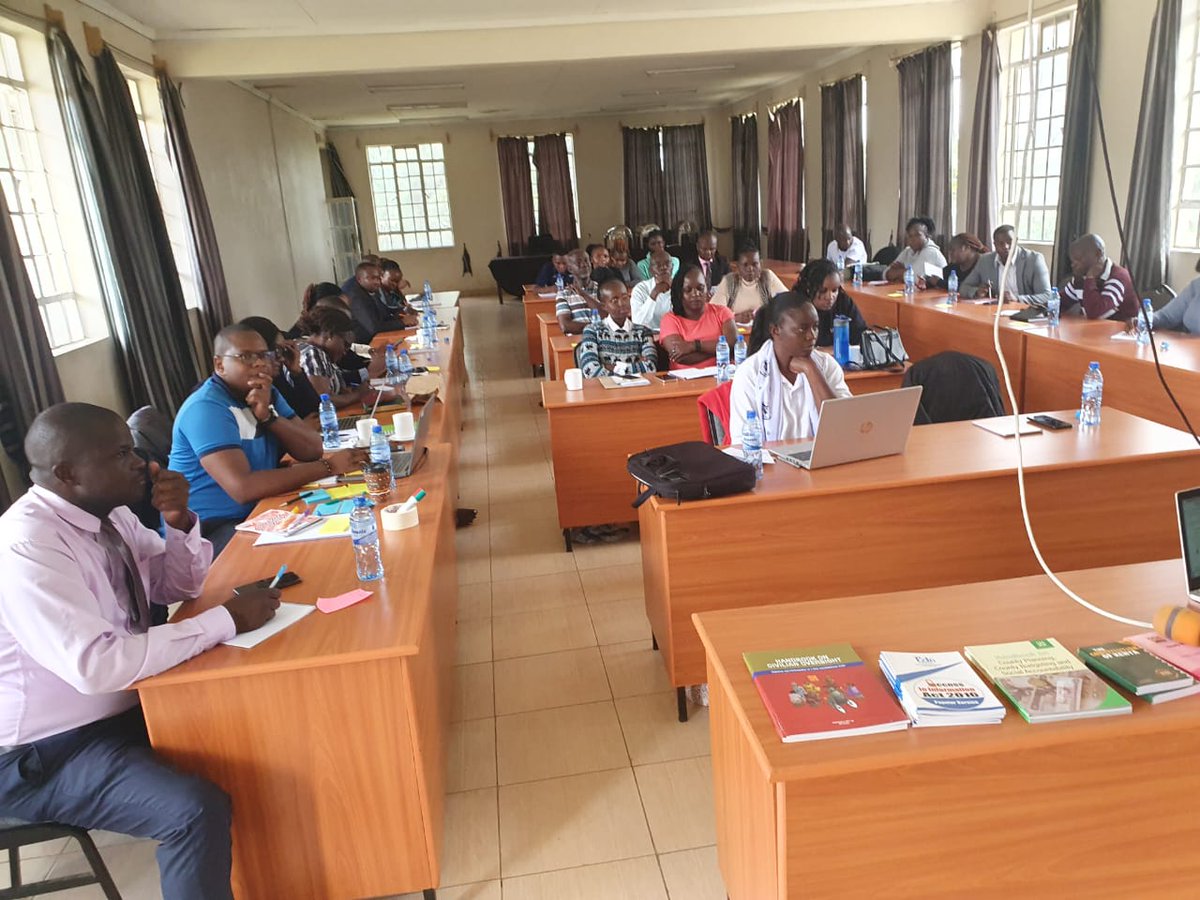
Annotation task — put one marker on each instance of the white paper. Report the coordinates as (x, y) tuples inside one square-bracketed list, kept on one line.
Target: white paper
[(878, 283), (287, 614), (736, 453), (314, 533), (689, 374), (1004, 427), (1123, 336)]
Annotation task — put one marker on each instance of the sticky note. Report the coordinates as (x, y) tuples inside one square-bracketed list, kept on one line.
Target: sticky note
[(335, 508), (345, 491), (433, 368), (314, 496), (334, 526), (333, 604), (896, 294)]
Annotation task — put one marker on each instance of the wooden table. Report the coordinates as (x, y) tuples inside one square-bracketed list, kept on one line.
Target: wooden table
[(330, 736), (787, 270), (946, 511), (548, 327), (562, 355), (1071, 809), (534, 304), (594, 431)]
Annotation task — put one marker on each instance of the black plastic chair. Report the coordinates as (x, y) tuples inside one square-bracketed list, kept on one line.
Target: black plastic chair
[(957, 387), (17, 833)]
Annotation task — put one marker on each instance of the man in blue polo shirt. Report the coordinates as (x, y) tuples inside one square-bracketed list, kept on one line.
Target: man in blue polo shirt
[(231, 433)]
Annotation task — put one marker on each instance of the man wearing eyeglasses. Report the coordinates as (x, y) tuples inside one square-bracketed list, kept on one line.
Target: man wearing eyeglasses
[(232, 432)]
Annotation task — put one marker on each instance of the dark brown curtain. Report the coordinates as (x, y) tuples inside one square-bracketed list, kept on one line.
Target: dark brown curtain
[(215, 312), (685, 176), (643, 177), (747, 226), (843, 162), (1148, 211), (1082, 105), (339, 184), (983, 206), (516, 190), (925, 82), (785, 183), (556, 201)]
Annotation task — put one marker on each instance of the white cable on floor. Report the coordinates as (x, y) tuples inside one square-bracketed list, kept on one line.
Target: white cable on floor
[(1012, 399)]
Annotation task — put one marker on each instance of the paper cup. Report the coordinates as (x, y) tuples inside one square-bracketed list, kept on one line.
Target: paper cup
[(406, 429), (574, 379), (364, 426)]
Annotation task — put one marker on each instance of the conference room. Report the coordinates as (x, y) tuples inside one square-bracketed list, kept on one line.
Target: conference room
[(518, 452)]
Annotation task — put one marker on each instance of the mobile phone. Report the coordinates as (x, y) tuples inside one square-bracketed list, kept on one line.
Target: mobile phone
[(288, 579), (1043, 421)]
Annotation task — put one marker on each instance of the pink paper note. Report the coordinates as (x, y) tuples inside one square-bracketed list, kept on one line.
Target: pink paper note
[(333, 604)]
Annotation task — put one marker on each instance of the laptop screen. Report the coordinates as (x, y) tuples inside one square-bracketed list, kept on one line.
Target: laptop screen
[(1189, 533)]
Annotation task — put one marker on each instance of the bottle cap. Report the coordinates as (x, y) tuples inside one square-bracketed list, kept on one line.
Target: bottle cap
[(324, 397), (377, 429), (1093, 365)]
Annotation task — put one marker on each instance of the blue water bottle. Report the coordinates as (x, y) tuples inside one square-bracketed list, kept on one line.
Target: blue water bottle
[(330, 438), (1053, 308), (841, 340), (752, 438), (739, 350), (952, 288), (1145, 315), (722, 360), (391, 364), (365, 536), (910, 282), (857, 282), (559, 288), (381, 451), (404, 368), (1093, 395)]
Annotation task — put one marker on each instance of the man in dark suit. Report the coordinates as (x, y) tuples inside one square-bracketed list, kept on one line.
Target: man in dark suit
[(714, 266), (369, 312)]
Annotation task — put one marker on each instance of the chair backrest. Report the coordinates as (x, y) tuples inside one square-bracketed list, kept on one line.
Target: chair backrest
[(713, 406), (1161, 296), (151, 429), (958, 387), (886, 255)]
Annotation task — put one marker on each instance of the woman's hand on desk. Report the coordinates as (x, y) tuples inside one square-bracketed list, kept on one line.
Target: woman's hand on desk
[(253, 609)]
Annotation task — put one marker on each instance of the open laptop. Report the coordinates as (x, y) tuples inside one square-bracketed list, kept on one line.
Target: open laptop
[(1188, 505), (405, 462), (856, 428)]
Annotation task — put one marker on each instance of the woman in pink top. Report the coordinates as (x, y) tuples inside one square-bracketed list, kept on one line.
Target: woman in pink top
[(689, 333)]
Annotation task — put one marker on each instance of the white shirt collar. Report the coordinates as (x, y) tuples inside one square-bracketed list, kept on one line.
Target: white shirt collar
[(1108, 264), (627, 328)]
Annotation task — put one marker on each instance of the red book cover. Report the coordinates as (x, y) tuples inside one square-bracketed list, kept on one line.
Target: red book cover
[(812, 706)]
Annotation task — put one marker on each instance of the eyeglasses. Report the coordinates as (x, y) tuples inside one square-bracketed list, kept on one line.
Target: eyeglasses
[(250, 357)]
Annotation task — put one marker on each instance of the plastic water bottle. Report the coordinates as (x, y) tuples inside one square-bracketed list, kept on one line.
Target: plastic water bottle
[(391, 364), (1093, 395), (1053, 308), (427, 295), (722, 360), (559, 287), (841, 340), (752, 438), (365, 536), (381, 450), (1143, 330), (596, 317), (952, 287), (910, 282), (857, 281), (404, 368), (330, 439), (739, 350)]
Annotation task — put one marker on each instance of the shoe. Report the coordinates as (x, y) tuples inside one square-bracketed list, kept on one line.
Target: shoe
[(464, 517)]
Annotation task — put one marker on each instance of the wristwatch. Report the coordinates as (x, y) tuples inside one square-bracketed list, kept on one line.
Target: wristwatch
[(271, 417)]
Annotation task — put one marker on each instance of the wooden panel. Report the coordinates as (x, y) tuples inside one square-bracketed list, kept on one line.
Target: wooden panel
[(547, 324), (878, 309), (562, 355), (534, 305)]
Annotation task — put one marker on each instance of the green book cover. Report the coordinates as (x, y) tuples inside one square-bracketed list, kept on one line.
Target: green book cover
[(1133, 668), (802, 659)]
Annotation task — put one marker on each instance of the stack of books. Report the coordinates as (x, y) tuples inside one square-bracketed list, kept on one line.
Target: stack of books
[(940, 689), (1179, 665), (1045, 681)]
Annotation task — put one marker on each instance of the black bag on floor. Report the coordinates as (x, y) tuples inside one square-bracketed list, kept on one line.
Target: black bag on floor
[(693, 470)]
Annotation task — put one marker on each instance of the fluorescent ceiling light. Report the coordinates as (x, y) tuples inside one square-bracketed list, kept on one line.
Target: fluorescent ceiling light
[(410, 107), (395, 88), (690, 70), (658, 93), (273, 87)]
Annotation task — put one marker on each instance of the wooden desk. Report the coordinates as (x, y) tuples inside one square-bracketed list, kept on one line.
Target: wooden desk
[(547, 327), (594, 431), (535, 304), (1071, 809), (562, 355), (330, 736), (946, 511), (787, 270)]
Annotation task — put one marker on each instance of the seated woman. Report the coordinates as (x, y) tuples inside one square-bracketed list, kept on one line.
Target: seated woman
[(327, 336), (964, 251), (314, 294), (820, 283), (748, 286), (656, 242), (785, 379), (921, 252), (619, 261), (616, 345), (689, 332), (287, 375)]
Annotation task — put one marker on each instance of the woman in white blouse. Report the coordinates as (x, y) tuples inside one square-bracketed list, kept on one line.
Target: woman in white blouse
[(748, 287), (921, 252)]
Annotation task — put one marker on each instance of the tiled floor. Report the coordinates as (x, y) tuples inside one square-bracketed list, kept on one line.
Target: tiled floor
[(569, 776)]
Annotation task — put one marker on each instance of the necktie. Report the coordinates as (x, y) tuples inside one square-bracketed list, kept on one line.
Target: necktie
[(707, 276), (116, 547)]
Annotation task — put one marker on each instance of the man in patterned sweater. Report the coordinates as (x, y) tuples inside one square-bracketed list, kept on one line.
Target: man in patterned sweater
[(616, 345), (1101, 288)]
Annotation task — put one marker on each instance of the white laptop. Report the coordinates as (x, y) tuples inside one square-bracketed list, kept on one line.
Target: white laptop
[(1188, 505), (856, 428)]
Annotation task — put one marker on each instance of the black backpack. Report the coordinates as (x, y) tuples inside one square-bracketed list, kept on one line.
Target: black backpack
[(693, 470)]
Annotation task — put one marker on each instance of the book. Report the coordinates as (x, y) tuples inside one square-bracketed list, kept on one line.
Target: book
[(940, 689), (613, 381), (1003, 426), (1133, 668), (814, 693), (1181, 656), (1045, 681)]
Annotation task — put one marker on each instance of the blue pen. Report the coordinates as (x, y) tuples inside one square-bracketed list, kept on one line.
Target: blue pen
[(278, 575)]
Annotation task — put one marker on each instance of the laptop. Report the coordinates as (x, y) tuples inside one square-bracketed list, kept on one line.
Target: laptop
[(1188, 505), (405, 462), (856, 428)]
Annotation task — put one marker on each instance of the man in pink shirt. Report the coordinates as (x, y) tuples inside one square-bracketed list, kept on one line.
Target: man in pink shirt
[(80, 573)]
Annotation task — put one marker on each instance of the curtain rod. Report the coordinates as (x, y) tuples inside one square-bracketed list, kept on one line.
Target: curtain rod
[(703, 121), (824, 84), (896, 60), (573, 130)]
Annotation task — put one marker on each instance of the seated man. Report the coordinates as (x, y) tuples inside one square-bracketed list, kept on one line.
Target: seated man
[(394, 288), (1100, 288), (1028, 277), (651, 299), (80, 575), (845, 249), (920, 252), (231, 432), (575, 309), (370, 314), (616, 345), (550, 272), (656, 242), (712, 264), (1183, 312)]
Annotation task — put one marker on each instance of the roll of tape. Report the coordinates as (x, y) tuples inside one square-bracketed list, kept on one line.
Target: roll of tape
[(395, 519)]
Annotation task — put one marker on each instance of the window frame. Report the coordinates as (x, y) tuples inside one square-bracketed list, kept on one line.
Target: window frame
[(430, 202), (1187, 126)]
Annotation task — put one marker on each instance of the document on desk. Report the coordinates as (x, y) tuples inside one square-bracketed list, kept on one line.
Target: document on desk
[(287, 615), (1123, 336), (612, 381), (689, 374), (1004, 426), (323, 527)]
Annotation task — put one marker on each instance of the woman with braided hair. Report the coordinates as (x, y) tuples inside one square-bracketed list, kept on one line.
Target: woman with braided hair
[(820, 283)]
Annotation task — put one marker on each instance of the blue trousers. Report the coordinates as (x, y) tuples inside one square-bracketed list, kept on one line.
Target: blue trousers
[(104, 775)]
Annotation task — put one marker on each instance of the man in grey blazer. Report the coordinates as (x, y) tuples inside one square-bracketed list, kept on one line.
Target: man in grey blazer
[(1028, 274)]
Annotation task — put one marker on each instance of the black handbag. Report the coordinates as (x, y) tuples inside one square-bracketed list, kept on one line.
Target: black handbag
[(693, 470), (881, 348)]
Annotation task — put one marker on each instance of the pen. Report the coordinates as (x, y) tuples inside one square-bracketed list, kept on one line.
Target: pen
[(412, 501), (278, 575)]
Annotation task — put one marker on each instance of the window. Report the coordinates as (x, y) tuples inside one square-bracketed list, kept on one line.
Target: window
[(955, 126), (533, 178), (408, 189), (1034, 92), (1185, 231), (170, 193), (27, 192)]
